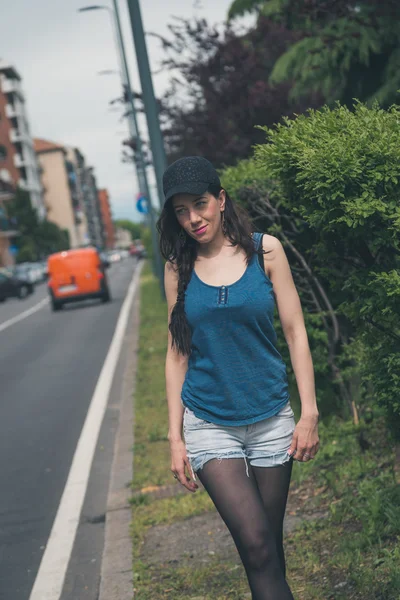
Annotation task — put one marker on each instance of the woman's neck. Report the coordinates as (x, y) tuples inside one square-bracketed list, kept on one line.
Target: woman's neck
[(219, 245)]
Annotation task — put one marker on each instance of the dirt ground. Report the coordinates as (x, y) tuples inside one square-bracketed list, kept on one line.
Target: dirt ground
[(200, 538)]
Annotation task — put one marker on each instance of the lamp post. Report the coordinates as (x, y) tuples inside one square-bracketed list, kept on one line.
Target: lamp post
[(133, 129)]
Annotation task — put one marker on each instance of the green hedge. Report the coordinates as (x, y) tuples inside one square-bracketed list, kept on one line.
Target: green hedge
[(334, 177)]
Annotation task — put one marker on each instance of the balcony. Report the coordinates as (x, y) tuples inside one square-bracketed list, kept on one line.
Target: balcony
[(16, 137), (12, 86), (23, 184), (7, 228), (19, 161), (13, 111)]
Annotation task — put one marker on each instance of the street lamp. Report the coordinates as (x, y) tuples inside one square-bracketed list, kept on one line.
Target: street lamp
[(133, 128), (109, 72), (126, 85)]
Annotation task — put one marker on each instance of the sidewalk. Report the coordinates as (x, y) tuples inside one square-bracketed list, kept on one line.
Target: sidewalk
[(116, 571)]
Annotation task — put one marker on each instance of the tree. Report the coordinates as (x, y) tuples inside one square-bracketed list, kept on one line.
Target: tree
[(270, 212), (135, 229), (327, 184), (347, 48), (220, 89), (36, 238), (20, 209), (338, 171), (50, 238)]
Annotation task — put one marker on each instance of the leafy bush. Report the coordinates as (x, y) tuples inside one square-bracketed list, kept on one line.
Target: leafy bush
[(338, 171), (263, 199)]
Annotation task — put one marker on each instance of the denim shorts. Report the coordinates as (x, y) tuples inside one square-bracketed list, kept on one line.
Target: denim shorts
[(263, 444)]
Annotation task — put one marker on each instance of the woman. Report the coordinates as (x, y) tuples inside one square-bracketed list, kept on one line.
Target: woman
[(226, 381)]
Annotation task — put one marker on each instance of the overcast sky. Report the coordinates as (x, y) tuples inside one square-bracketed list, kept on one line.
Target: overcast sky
[(59, 52)]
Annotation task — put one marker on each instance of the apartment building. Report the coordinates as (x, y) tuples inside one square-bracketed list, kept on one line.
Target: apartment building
[(86, 182), (123, 238), (77, 195), (71, 194), (95, 221), (18, 161), (105, 207), (8, 229), (62, 207)]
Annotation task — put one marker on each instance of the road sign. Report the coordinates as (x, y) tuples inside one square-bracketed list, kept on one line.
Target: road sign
[(141, 204)]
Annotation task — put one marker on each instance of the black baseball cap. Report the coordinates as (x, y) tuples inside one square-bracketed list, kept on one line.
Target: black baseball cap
[(189, 175)]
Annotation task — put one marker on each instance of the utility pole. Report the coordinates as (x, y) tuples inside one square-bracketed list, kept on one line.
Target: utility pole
[(150, 105), (132, 120), (141, 167), (134, 133)]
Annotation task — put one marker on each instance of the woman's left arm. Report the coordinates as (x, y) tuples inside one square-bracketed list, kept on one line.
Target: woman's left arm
[(305, 442)]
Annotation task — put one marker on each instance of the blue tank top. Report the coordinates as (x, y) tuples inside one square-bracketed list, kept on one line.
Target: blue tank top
[(235, 374)]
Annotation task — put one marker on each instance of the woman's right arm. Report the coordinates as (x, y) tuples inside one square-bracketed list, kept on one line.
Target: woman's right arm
[(175, 370)]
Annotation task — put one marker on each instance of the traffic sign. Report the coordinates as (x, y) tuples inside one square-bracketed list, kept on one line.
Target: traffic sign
[(141, 204)]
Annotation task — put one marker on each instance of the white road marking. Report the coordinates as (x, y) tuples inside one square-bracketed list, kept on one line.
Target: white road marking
[(50, 578), (24, 315)]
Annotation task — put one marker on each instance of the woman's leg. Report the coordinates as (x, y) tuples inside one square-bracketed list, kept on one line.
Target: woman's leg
[(273, 483), (238, 501)]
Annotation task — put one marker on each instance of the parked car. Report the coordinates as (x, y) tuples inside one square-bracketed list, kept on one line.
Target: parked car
[(105, 259), (31, 271), (114, 256), (137, 249), (76, 275), (12, 286), (24, 271), (40, 270)]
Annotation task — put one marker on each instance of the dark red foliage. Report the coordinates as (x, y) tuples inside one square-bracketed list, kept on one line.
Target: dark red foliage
[(220, 90)]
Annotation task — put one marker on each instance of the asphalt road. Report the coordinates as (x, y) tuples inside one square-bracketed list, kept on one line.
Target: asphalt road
[(49, 366)]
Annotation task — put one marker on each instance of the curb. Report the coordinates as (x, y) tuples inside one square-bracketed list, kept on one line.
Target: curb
[(116, 582)]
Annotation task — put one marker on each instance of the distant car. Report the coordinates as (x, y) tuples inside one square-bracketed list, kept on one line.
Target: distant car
[(32, 272), (76, 275), (114, 256), (12, 286), (137, 249), (24, 271), (40, 270), (105, 259)]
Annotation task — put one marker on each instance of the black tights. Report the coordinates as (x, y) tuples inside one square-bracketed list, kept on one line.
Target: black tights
[(253, 509)]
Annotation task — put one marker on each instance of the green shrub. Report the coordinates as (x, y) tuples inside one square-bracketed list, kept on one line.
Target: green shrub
[(338, 172), (248, 185)]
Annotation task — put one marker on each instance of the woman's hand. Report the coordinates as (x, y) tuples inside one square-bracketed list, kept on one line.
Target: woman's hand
[(305, 442), (180, 461)]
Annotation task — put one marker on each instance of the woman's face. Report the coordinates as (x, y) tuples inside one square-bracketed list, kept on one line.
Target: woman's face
[(199, 216)]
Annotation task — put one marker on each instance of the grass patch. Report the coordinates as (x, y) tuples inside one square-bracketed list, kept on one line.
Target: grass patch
[(352, 554), (151, 448)]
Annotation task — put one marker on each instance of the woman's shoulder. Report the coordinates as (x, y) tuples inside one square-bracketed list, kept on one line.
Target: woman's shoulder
[(170, 276), (273, 251), (171, 270), (270, 242)]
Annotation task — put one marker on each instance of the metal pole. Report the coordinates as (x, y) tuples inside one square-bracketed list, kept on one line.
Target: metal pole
[(153, 124), (132, 121), (141, 168)]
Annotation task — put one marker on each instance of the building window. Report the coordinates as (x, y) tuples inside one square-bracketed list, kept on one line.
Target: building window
[(3, 153)]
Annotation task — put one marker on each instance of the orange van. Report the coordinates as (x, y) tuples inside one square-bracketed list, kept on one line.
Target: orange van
[(76, 275)]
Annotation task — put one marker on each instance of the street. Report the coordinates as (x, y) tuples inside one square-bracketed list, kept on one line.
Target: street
[(49, 367)]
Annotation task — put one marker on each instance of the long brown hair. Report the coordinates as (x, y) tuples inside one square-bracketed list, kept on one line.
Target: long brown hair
[(181, 250)]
